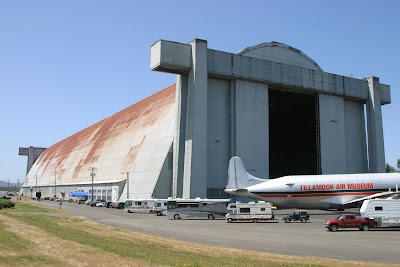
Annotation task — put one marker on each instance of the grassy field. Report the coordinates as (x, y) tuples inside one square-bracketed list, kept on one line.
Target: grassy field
[(25, 207), (60, 240)]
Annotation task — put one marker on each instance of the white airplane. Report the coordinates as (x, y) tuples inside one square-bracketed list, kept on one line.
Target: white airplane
[(337, 191)]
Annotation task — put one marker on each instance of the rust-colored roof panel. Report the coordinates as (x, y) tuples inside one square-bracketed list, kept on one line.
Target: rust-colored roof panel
[(111, 145)]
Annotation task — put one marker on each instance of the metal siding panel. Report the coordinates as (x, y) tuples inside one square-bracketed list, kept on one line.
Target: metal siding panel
[(218, 132), (252, 135), (356, 146), (238, 66), (332, 134)]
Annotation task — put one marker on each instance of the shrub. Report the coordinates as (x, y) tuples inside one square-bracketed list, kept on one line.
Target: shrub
[(5, 204)]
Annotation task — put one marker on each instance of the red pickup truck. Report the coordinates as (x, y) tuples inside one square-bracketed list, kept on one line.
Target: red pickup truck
[(349, 221)]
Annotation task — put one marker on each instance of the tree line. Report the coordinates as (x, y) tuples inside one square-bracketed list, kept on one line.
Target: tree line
[(390, 168), (11, 188)]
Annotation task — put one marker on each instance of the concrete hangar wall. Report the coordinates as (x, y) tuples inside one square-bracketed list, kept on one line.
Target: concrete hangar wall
[(270, 104)]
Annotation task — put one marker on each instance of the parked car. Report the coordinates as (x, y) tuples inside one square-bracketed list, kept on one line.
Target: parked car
[(81, 201), (298, 215), (88, 201), (120, 205), (5, 197), (46, 198), (94, 203), (109, 204), (101, 204)]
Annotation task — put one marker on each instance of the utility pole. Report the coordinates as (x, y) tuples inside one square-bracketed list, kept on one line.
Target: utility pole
[(92, 174), (8, 185), (36, 183), (55, 184), (18, 186), (127, 185)]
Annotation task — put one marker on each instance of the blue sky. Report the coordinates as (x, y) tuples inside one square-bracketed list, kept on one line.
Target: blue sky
[(65, 65)]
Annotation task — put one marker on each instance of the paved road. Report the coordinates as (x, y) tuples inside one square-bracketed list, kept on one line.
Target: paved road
[(295, 238)]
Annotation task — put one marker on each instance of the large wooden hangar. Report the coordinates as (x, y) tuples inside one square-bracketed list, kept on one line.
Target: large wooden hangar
[(270, 104)]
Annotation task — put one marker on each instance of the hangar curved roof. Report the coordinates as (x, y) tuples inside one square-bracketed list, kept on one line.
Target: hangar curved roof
[(282, 53), (135, 139)]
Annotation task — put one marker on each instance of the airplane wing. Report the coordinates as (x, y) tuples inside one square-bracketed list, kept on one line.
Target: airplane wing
[(377, 195), (236, 190), (242, 192), (338, 200)]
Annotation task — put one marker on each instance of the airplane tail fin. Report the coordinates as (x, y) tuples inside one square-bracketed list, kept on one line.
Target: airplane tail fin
[(238, 176)]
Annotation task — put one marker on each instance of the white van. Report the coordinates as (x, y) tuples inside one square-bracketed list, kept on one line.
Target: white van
[(146, 205), (252, 211)]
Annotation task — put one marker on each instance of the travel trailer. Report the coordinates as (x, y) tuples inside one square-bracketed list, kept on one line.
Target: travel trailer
[(251, 211), (385, 212)]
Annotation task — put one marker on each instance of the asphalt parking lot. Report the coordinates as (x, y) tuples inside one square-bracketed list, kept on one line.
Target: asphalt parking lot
[(295, 238)]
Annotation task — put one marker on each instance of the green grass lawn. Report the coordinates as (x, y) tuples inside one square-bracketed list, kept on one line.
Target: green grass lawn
[(137, 248), (25, 207), (11, 242)]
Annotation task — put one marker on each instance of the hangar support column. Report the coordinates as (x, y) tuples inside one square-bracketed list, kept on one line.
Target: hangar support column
[(376, 153), (189, 61), (179, 137), (33, 154), (195, 163)]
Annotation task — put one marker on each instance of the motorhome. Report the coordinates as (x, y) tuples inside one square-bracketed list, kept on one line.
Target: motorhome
[(207, 208), (385, 212), (160, 206), (252, 211), (146, 205)]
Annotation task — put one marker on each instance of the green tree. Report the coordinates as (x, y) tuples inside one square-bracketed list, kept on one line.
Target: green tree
[(390, 168)]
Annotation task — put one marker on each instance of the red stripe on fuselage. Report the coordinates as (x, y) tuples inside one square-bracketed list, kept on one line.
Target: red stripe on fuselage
[(322, 194)]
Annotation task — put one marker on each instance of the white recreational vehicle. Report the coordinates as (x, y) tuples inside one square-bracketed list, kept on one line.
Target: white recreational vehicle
[(178, 208), (146, 205), (385, 212), (251, 211)]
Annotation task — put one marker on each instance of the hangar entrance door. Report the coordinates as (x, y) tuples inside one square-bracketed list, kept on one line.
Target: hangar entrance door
[(293, 134)]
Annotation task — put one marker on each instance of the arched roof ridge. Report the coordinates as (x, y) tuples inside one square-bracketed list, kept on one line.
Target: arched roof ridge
[(282, 45)]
